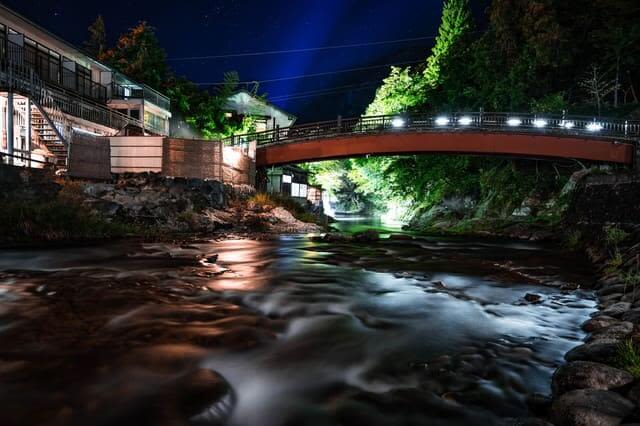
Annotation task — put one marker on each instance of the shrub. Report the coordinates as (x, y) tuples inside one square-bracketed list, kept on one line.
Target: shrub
[(629, 358), (22, 221)]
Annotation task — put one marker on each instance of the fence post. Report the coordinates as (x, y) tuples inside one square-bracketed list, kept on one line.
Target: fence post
[(339, 124), (480, 117), (10, 125)]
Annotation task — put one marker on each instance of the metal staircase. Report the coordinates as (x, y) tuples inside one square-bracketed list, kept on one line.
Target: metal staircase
[(49, 136)]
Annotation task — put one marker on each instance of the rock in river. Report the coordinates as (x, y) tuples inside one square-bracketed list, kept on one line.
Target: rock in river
[(596, 351), (588, 375), (616, 310), (590, 407)]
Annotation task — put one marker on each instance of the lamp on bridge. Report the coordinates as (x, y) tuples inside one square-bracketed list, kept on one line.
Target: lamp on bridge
[(594, 127), (539, 123), (514, 122), (442, 121), (465, 121), (568, 125), (398, 122)]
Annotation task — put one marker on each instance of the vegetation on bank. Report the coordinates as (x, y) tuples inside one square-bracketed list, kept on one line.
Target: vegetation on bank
[(61, 217), (542, 56), (629, 357), (266, 201)]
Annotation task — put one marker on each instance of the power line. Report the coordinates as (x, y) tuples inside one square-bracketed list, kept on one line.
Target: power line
[(329, 93), (337, 89), (273, 80), (309, 49), (329, 89)]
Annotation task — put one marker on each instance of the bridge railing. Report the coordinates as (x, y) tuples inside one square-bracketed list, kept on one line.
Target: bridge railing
[(563, 125)]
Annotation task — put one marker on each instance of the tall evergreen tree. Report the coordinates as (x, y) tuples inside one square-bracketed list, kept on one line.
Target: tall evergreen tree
[(96, 45), (457, 21)]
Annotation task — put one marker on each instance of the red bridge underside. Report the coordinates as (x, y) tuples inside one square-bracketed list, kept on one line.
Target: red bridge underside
[(494, 144)]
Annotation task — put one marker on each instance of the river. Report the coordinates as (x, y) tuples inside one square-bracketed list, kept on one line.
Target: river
[(428, 331)]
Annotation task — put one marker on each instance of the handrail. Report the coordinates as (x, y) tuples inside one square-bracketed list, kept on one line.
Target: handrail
[(563, 125), (19, 76)]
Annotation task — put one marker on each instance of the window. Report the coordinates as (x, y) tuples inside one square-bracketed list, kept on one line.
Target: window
[(286, 179), (303, 190), (295, 190)]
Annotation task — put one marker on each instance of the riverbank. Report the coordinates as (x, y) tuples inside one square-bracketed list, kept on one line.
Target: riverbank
[(40, 208), (598, 214)]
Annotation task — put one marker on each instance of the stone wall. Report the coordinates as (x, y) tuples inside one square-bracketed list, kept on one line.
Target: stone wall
[(603, 199), (89, 157), (192, 159)]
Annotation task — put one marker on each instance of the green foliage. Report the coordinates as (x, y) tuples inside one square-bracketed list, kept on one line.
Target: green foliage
[(55, 220), (457, 22), (138, 55), (399, 92), (614, 236), (554, 103), (629, 357)]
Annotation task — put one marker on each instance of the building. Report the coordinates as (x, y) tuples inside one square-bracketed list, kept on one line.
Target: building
[(293, 181), (266, 115), (50, 91)]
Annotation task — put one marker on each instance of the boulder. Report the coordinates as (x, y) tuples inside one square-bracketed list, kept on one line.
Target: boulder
[(613, 332), (533, 298), (588, 375), (632, 316), (590, 407), (616, 310), (598, 323), (595, 351), (367, 236)]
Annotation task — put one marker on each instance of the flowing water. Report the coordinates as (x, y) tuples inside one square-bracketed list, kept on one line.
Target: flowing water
[(428, 331)]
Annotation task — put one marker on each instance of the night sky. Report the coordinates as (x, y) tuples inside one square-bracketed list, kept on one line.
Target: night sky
[(195, 28)]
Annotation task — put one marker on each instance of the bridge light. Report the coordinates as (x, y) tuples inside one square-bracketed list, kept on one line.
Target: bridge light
[(442, 121), (594, 127), (568, 125), (398, 122), (465, 121), (539, 123), (514, 122)]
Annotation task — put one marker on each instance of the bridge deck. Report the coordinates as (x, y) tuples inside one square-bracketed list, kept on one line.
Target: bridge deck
[(473, 143)]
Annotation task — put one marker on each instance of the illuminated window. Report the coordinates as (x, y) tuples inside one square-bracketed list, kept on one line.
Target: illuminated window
[(303, 191), (295, 190), (286, 179)]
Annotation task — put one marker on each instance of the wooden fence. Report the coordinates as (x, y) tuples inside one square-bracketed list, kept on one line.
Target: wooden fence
[(89, 157)]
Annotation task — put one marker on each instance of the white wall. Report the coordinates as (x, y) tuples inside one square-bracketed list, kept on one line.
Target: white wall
[(136, 154)]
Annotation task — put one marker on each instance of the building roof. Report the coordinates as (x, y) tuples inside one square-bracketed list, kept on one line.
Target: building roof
[(245, 103)]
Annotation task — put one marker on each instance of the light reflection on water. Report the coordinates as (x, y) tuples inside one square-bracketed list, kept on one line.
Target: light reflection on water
[(430, 331)]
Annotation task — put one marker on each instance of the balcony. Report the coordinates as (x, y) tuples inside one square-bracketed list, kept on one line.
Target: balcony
[(134, 91), (53, 72)]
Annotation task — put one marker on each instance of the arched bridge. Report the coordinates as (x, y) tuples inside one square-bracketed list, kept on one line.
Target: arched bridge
[(495, 134)]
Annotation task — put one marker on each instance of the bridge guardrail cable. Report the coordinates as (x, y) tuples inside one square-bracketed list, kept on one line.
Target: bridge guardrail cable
[(562, 125)]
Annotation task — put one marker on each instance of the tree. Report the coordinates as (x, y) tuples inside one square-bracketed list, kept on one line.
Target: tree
[(598, 85), (97, 42), (138, 55), (457, 22), (399, 92)]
